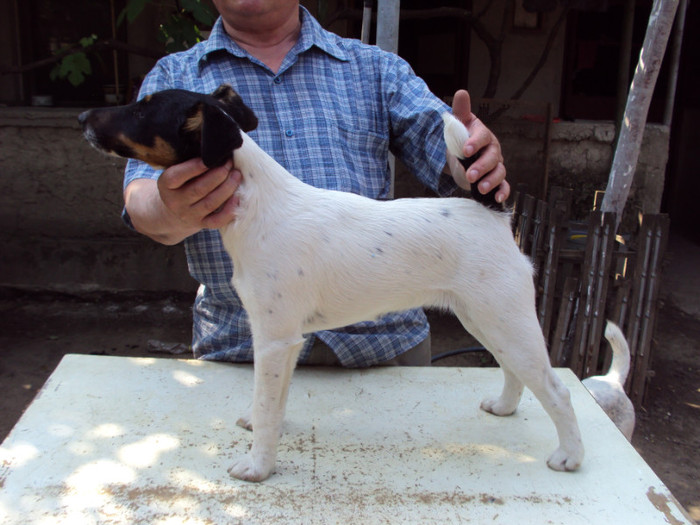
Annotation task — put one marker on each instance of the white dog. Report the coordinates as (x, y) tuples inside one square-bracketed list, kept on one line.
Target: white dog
[(608, 390), (308, 259)]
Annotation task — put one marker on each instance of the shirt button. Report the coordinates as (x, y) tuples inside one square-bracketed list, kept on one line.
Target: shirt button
[(289, 133), (277, 80)]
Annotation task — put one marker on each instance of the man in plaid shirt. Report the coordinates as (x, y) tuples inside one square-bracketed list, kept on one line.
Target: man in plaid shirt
[(329, 110)]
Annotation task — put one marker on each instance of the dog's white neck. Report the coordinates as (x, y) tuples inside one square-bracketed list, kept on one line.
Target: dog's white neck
[(265, 184), (258, 168)]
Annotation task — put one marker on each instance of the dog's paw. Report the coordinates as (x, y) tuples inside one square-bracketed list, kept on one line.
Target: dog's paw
[(565, 461), (247, 469), (245, 422), (498, 407)]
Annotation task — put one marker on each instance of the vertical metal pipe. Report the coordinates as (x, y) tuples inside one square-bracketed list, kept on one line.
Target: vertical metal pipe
[(388, 40), (675, 62), (115, 55), (388, 25), (366, 22), (18, 43)]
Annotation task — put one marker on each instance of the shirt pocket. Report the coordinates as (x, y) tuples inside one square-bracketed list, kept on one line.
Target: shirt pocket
[(350, 160)]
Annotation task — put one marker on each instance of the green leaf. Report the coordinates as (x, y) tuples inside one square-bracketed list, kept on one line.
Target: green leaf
[(132, 9), (87, 41), (200, 11), (179, 33), (74, 67), (81, 68)]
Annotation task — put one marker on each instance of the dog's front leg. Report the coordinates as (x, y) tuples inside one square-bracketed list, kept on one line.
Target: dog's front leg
[(274, 364)]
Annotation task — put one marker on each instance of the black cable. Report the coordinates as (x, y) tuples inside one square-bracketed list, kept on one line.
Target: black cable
[(459, 351)]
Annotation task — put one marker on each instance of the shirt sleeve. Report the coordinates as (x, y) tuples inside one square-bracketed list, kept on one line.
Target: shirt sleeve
[(416, 127)]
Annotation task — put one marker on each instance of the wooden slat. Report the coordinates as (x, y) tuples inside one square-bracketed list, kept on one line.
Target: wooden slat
[(561, 199), (634, 319), (524, 224), (618, 313), (596, 263), (560, 342), (652, 246), (600, 294), (539, 228), (555, 238)]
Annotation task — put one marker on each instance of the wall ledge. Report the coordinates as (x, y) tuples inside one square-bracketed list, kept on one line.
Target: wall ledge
[(29, 116)]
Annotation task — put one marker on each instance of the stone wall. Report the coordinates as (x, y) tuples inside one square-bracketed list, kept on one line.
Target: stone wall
[(60, 200), (580, 156), (60, 213)]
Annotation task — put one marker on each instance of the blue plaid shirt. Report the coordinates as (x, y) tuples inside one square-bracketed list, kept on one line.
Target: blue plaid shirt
[(330, 116)]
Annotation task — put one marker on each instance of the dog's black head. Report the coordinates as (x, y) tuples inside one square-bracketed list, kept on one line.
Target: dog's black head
[(172, 126)]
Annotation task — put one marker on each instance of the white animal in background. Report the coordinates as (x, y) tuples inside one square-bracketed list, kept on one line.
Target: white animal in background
[(609, 390)]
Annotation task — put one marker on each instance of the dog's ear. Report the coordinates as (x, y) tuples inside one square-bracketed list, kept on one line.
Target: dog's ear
[(234, 106), (220, 135)]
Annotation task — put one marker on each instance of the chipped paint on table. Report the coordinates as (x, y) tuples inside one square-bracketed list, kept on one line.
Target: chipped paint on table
[(147, 441)]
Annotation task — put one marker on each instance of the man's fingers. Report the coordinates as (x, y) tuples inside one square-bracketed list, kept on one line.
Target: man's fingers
[(226, 211), (198, 198), (494, 178), (490, 159), (480, 138), (217, 196), (462, 106), (503, 192), (178, 175), (199, 187), (222, 216)]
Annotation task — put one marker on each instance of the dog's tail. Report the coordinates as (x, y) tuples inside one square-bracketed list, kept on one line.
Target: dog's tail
[(620, 365), (456, 135)]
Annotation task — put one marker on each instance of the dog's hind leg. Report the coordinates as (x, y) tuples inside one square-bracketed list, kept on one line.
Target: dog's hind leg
[(529, 361), (519, 347), (508, 401), (274, 364), (556, 400)]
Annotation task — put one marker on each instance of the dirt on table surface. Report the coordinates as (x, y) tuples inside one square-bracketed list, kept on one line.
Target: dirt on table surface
[(37, 329)]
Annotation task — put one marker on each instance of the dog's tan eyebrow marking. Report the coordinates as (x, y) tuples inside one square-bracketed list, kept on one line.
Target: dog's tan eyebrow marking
[(194, 123), (161, 154)]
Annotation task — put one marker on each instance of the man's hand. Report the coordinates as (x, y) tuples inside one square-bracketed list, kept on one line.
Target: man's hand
[(200, 197), (488, 169), (185, 199)]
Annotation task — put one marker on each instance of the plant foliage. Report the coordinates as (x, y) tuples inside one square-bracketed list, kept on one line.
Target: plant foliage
[(182, 27), (75, 66)]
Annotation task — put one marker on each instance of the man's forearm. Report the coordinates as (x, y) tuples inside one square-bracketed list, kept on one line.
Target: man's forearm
[(149, 215)]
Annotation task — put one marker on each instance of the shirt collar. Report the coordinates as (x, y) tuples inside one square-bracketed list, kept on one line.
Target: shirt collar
[(312, 34)]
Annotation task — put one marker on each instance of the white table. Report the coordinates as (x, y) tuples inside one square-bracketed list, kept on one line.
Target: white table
[(148, 441)]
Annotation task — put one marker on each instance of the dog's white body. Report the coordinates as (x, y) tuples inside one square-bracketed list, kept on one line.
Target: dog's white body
[(308, 259), (608, 390)]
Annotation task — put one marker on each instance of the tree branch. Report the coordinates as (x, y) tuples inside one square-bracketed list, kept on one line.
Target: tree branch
[(637, 109), (109, 44)]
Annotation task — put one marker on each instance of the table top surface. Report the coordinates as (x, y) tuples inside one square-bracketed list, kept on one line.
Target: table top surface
[(125, 440)]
